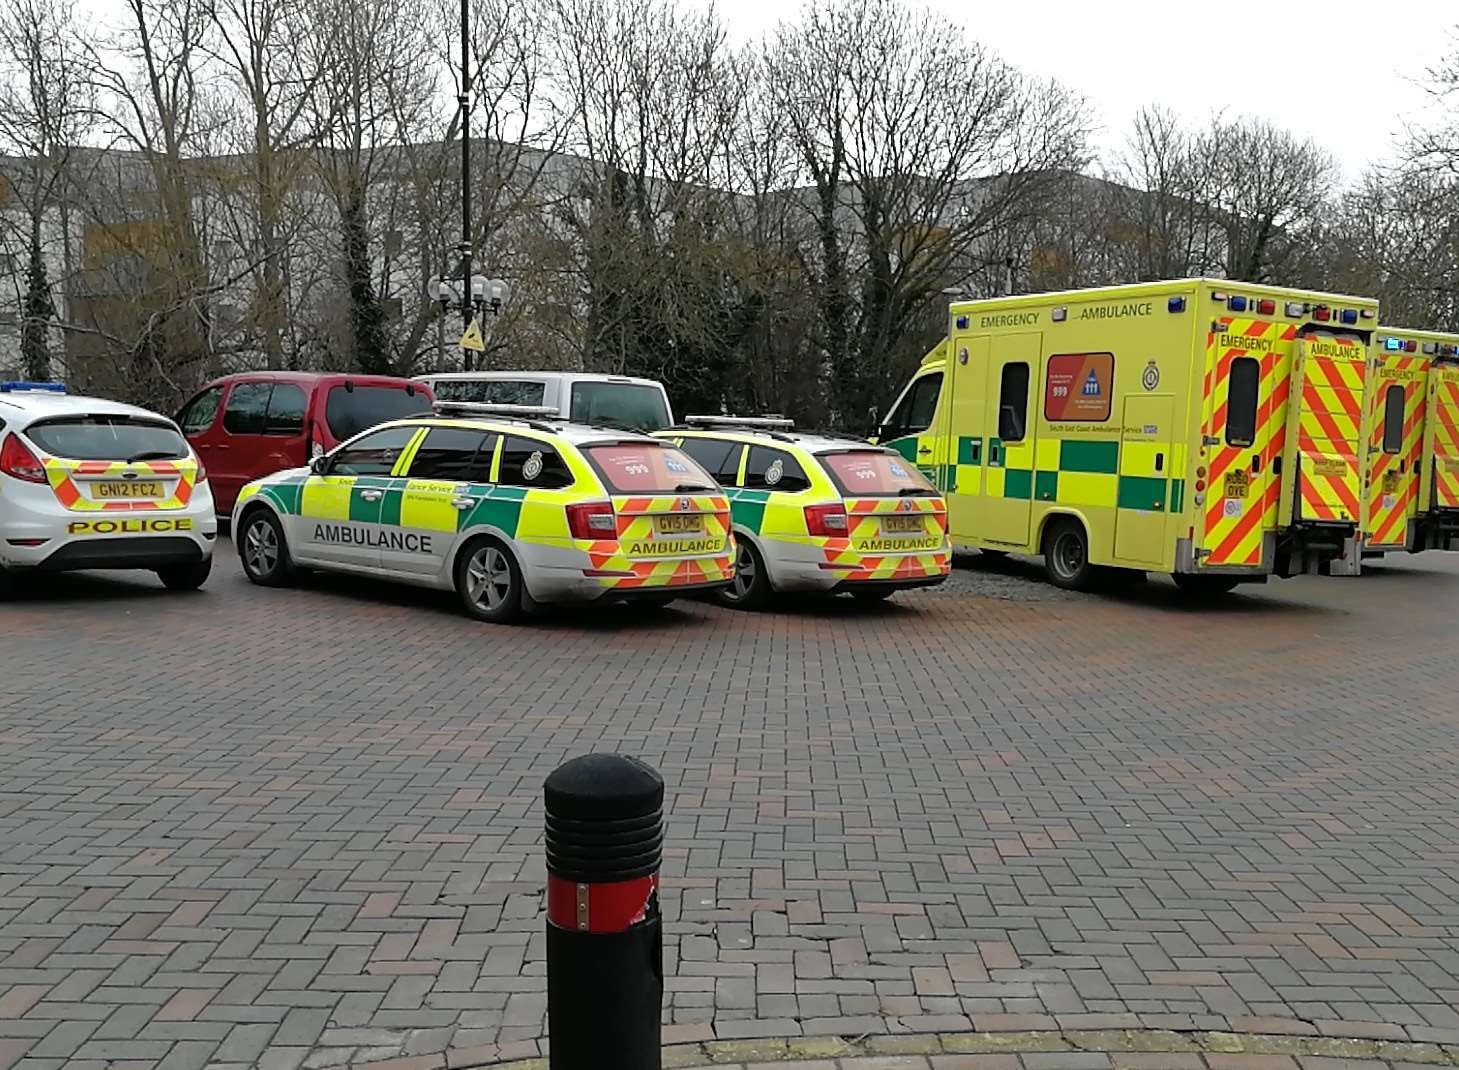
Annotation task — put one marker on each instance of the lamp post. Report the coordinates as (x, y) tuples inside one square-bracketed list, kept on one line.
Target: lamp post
[(463, 99), (484, 295)]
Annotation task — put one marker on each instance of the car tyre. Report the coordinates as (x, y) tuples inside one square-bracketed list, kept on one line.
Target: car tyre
[(750, 588), (489, 582), (1205, 586), (1066, 556), (186, 577), (263, 551)]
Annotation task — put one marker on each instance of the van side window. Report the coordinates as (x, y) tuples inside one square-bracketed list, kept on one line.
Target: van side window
[(1393, 419), (914, 414), (246, 407), (1013, 403), (286, 410), (1242, 388), (201, 411)]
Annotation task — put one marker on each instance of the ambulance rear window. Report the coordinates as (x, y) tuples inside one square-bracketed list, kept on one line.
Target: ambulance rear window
[(108, 438), (875, 474), (647, 468)]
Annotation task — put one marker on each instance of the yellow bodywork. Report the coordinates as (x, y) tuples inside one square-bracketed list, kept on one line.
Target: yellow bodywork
[(1114, 406)]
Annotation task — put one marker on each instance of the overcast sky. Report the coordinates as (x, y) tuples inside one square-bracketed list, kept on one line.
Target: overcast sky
[(1341, 71)]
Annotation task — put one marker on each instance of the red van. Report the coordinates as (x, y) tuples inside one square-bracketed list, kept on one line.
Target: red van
[(256, 423)]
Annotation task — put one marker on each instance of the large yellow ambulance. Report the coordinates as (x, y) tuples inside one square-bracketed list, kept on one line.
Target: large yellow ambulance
[(1411, 468), (1209, 429)]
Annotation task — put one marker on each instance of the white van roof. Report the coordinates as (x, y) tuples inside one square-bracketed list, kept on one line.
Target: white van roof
[(542, 376)]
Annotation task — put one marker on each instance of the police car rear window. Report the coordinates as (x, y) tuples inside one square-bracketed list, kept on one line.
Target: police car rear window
[(873, 474), (645, 468), (107, 438)]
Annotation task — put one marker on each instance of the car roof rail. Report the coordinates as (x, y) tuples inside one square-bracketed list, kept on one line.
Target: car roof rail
[(522, 414)]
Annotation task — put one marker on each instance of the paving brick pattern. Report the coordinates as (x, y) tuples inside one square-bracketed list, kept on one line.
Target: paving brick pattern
[(301, 828)]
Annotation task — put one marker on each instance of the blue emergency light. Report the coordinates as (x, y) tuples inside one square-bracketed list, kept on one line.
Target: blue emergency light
[(1350, 315), (17, 386), (1175, 304), (1236, 304)]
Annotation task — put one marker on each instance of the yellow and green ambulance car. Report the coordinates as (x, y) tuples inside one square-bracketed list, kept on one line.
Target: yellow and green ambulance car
[(1411, 468), (816, 513), (507, 508), (1209, 429)]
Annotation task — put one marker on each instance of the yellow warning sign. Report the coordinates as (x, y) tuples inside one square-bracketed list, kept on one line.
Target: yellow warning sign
[(472, 339)]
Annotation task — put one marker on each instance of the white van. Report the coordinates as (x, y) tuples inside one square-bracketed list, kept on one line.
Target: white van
[(602, 400)]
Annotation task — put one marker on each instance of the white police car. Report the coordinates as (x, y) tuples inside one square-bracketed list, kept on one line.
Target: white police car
[(87, 483)]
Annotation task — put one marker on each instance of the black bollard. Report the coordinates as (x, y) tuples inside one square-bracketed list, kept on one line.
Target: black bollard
[(605, 941)]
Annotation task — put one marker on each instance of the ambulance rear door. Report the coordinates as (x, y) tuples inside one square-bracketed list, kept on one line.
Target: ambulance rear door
[(1396, 407), (1322, 480), (1440, 486), (1238, 432)]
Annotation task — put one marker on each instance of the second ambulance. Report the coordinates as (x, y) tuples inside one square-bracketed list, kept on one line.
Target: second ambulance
[(1208, 429)]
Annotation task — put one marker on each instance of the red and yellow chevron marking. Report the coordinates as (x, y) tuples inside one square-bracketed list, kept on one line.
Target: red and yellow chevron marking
[(1446, 444), (1329, 436), (849, 559), (675, 561), (1234, 526), (61, 475), (1392, 479)]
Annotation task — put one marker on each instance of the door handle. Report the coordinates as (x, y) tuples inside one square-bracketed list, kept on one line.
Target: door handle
[(925, 450), (1160, 462), (1255, 463), (463, 503), (372, 495)]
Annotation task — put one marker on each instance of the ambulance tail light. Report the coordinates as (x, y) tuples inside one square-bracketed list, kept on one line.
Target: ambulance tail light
[(17, 462), (592, 520), (827, 521), (1322, 313), (1266, 307)]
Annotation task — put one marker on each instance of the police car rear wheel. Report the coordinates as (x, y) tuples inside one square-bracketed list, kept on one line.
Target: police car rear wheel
[(751, 586), (264, 553), (489, 582), (1066, 556), (186, 577)]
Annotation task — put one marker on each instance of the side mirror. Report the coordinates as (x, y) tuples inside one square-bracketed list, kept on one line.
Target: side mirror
[(319, 465)]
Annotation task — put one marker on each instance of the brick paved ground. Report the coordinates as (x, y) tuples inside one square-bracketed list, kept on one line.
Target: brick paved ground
[(269, 828)]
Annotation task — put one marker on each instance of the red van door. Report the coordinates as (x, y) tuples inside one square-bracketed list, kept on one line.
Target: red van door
[(202, 427), (262, 433)]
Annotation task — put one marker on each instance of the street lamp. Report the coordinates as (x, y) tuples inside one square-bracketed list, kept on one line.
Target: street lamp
[(487, 295)]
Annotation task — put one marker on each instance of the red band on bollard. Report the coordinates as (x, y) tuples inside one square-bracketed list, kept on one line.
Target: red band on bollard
[(599, 908)]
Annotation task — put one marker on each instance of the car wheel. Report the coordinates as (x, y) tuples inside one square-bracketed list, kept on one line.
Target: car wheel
[(1205, 586), (750, 588), (1066, 556), (186, 577), (872, 594), (263, 551), (489, 582)]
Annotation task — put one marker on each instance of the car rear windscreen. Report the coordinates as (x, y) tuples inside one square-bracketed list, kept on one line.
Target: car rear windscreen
[(108, 438), (648, 469), (629, 405), (874, 474), (490, 391), (349, 412)]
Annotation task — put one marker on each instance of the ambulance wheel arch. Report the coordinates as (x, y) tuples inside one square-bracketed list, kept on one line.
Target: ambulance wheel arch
[(485, 533), (285, 570), (1067, 565), (500, 559), (745, 535)]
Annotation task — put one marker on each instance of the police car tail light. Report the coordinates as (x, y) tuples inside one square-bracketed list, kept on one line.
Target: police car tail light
[(827, 521), (592, 520), (17, 462), (201, 476)]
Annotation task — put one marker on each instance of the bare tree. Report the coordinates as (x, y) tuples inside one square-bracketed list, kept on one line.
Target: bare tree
[(1267, 188), (374, 95), (45, 109), (919, 147)]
